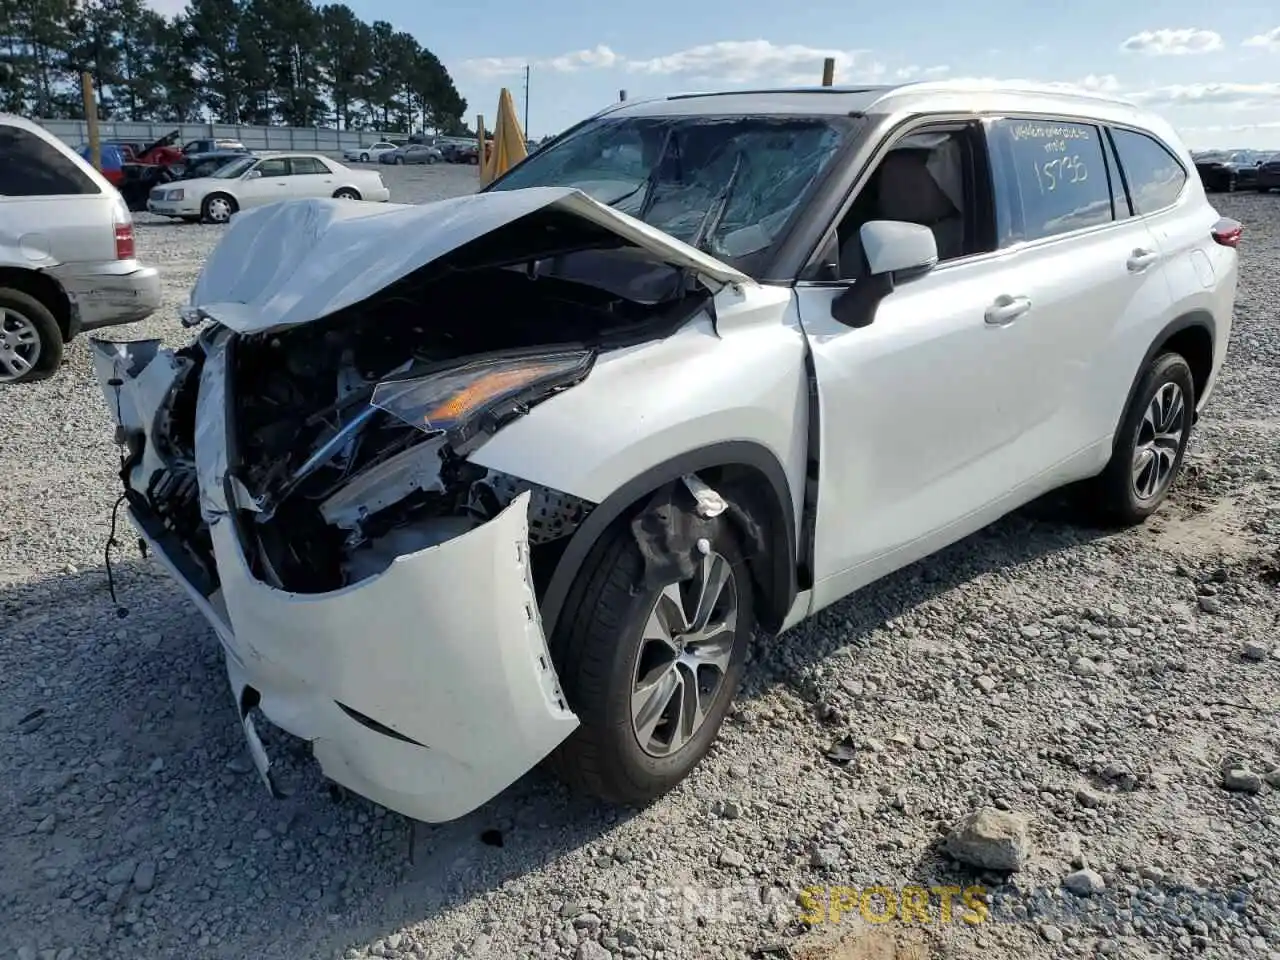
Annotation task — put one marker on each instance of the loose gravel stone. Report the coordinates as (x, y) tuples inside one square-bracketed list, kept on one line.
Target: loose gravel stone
[(1085, 883), (91, 699), (990, 838), (1242, 781)]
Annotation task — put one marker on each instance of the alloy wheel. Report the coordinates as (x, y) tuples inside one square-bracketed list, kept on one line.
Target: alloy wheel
[(685, 651), (1158, 442), (19, 345), (219, 210)]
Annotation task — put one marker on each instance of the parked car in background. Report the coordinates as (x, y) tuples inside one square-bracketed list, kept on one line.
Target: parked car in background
[(461, 153), (1268, 175), (67, 259), (1225, 173), (112, 158), (412, 153), (372, 152), (796, 341), (252, 181), (199, 165), (211, 146)]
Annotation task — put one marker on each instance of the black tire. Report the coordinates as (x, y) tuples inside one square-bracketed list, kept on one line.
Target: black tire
[(1112, 497), (28, 308), (346, 193), (206, 216), (596, 649), (1264, 189), (364, 158), (400, 161)]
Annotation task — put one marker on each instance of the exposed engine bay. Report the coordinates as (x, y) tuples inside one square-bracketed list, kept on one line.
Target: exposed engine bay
[(347, 437)]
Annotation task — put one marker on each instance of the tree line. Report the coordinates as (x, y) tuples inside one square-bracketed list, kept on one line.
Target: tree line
[(257, 62)]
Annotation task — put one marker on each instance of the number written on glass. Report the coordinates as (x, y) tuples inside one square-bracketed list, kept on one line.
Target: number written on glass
[(1060, 171)]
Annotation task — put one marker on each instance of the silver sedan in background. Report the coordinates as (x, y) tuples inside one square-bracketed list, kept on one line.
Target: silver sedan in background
[(412, 153)]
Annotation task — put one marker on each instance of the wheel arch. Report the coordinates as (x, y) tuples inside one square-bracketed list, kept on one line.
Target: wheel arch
[(746, 474), (44, 288), (1193, 336)]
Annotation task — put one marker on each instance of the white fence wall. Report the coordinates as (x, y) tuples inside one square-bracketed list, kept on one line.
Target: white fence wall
[(76, 133)]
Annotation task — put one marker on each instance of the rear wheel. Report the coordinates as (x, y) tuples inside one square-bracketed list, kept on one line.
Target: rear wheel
[(1150, 445), (346, 193), (400, 161), (364, 158), (649, 672), (30, 341), (217, 208)]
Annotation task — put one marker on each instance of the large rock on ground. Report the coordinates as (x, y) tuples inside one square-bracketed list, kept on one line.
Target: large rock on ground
[(990, 838)]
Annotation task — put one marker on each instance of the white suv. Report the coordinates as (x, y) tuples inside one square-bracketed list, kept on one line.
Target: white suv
[(66, 252), (518, 474)]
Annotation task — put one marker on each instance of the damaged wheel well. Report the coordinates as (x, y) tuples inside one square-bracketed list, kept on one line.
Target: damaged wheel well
[(744, 474)]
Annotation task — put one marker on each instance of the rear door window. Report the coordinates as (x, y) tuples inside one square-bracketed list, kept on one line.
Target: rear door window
[(302, 166), (30, 167), (1051, 177), (1152, 174)]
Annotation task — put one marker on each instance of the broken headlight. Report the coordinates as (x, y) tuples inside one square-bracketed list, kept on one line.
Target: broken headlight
[(483, 394)]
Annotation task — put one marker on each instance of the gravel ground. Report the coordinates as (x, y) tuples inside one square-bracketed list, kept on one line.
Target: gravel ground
[(1102, 689)]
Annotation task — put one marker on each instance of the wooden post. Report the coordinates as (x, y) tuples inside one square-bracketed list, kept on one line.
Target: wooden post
[(480, 143), (828, 71), (91, 118)]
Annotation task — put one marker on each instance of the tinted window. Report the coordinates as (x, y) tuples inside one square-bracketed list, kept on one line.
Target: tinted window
[(308, 165), (274, 168), (1051, 178), (29, 167), (1152, 173)]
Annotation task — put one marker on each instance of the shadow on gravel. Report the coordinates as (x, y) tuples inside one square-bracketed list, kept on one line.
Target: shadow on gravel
[(132, 820)]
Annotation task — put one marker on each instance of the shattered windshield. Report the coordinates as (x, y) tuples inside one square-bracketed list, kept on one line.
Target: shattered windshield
[(728, 185)]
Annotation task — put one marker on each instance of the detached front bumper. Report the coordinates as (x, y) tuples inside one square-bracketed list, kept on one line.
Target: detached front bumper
[(427, 688)]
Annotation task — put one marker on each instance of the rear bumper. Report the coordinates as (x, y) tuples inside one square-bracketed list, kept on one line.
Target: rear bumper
[(108, 294), (427, 688)]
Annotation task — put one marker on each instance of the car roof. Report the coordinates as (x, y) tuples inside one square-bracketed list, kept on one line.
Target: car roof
[(920, 96)]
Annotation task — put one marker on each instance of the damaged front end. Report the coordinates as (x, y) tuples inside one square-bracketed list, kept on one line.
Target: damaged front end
[(308, 482)]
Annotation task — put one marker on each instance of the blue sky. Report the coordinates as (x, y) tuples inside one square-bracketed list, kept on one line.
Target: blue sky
[(1213, 69)]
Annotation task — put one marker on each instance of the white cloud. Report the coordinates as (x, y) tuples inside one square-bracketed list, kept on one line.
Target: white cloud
[(1242, 96), (1160, 43), (1266, 41), (599, 57), (495, 66), (745, 61)]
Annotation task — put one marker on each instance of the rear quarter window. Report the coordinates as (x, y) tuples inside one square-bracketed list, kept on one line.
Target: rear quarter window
[(1050, 177), (30, 167), (1153, 175)]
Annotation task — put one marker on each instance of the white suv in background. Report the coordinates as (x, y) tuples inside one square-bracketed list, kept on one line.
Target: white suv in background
[(66, 252), (465, 485)]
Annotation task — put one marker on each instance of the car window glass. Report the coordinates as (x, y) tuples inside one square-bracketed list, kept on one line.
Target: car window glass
[(29, 167), (1051, 176), (925, 179), (274, 168), (306, 165), (1152, 173)]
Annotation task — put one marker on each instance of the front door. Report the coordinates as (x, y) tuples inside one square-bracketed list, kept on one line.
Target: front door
[(271, 186)]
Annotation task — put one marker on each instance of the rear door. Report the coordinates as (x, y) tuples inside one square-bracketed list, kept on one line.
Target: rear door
[(1090, 269), (53, 209), (309, 177)]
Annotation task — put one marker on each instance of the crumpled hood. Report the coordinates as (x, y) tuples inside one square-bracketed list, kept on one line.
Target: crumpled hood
[(293, 262)]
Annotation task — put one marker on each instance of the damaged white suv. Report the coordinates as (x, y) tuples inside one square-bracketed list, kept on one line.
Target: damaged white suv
[(517, 475)]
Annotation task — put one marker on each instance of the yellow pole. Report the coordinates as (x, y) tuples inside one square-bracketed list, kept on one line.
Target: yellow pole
[(480, 142), (828, 71), (91, 118)]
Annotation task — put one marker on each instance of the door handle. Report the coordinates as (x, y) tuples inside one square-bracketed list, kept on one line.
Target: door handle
[(1140, 259), (1007, 309)]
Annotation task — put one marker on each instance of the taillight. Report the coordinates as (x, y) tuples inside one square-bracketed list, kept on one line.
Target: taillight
[(1227, 232), (124, 241)]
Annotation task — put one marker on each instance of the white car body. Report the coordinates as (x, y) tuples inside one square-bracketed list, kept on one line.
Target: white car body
[(370, 153), (856, 447), (260, 180)]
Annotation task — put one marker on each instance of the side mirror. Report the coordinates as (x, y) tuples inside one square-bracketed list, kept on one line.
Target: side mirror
[(904, 250), (896, 252), (253, 174)]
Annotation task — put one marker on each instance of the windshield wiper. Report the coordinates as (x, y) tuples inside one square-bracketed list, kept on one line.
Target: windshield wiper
[(715, 213)]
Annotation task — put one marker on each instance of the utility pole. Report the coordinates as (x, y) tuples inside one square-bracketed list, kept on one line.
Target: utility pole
[(526, 101)]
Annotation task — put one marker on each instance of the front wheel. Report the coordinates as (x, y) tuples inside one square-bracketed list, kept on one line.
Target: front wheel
[(364, 158), (400, 161), (1150, 445), (217, 208), (649, 672)]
